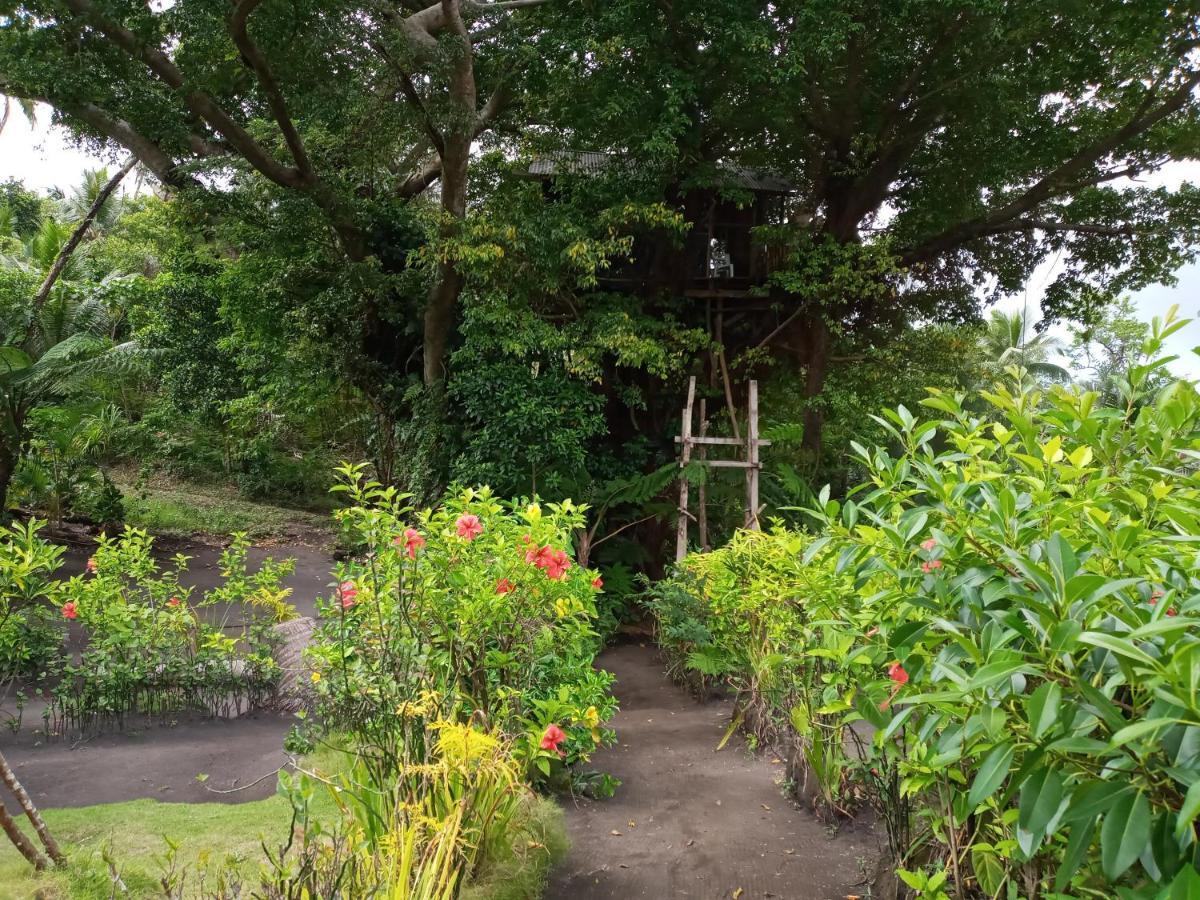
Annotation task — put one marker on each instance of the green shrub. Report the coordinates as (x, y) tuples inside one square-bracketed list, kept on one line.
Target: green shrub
[(150, 647), (469, 612), (994, 639), (31, 632)]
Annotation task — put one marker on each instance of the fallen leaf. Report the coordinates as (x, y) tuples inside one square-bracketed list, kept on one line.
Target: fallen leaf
[(738, 893), (632, 824), (767, 808), (615, 832)]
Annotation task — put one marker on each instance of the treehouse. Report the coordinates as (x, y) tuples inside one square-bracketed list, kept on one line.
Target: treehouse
[(720, 256)]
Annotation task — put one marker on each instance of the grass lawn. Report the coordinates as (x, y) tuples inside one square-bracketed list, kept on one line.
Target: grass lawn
[(168, 506), (227, 835), (132, 833)]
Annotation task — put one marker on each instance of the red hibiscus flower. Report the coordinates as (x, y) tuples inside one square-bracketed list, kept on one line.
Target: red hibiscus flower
[(504, 586), (174, 601), (552, 738), (928, 544), (899, 679), (1155, 596), (69, 611), (559, 564), (347, 593), (411, 541), (91, 565), (1172, 612), (468, 526), (598, 583)]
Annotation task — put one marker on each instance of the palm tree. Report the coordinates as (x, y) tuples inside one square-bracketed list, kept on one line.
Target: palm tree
[(1007, 342), (45, 353)]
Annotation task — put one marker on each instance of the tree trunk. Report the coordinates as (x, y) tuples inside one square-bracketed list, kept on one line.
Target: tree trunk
[(39, 825), (443, 296), (816, 366), (8, 466)]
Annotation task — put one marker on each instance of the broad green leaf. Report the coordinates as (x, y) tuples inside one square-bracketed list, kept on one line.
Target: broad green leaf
[(1041, 796), (1043, 707), (1137, 729), (1124, 835), (1116, 645), (991, 775), (1188, 810), (1186, 885), (1077, 846)]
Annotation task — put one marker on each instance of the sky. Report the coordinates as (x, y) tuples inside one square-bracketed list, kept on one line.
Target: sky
[(43, 158)]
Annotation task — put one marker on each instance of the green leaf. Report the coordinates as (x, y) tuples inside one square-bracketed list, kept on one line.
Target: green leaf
[(1188, 810), (1124, 835), (1117, 645), (991, 775), (1041, 796), (1137, 729), (1186, 885), (1077, 846), (988, 869), (1043, 707)]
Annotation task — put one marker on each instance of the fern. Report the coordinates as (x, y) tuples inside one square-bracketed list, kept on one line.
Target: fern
[(709, 661)]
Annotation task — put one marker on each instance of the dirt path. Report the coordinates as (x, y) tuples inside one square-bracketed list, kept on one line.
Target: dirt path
[(689, 821)]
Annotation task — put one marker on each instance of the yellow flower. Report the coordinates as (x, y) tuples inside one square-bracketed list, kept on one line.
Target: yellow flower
[(562, 607), (316, 676), (591, 717)]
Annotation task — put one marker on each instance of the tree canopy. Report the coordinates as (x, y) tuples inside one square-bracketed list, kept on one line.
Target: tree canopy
[(362, 170)]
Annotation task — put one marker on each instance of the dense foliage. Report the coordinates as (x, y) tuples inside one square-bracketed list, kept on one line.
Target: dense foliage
[(472, 612), (993, 640)]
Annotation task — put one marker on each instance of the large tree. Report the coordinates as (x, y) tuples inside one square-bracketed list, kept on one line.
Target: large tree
[(940, 149), (355, 107)]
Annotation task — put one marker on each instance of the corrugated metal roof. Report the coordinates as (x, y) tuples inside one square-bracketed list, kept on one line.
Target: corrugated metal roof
[(578, 162)]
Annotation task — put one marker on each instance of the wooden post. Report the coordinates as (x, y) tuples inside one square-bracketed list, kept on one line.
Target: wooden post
[(702, 512), (685, 456), (752, 459)]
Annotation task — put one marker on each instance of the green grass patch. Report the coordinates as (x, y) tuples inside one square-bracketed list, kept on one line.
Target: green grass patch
[(178, 509), (132, 835)]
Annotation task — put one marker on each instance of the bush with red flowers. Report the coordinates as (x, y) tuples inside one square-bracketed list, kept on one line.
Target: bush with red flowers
[(471, 612)]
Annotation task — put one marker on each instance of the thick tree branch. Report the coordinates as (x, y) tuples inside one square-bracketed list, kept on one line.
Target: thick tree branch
[(197, 101), (410, 94), (421, 179), (1060, 180), (1075, 227), (254, 56)]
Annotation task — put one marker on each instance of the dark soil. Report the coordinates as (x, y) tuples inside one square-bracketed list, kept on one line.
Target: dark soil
[(692, 821), (157, 761)]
